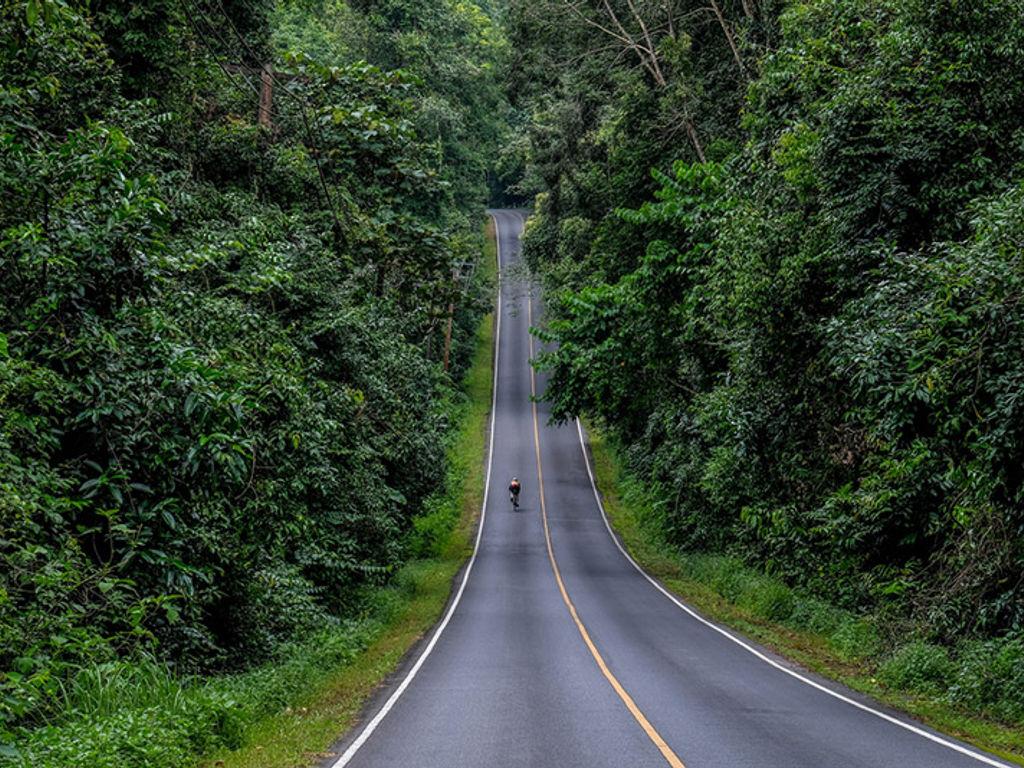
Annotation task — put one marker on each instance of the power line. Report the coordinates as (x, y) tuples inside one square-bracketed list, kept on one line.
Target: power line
[(263, 93), (227, 72)]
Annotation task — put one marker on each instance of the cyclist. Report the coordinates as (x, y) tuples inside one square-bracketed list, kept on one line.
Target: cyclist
[(513, 491)]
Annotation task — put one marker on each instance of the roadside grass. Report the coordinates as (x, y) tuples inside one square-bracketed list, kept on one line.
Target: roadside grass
[(287, 713), (974, 692)]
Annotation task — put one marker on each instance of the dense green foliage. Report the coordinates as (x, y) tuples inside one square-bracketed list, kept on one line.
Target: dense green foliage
[(221, 391), (819, 287)]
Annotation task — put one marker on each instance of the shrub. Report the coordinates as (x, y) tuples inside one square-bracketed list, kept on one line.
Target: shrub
[(816, 615), (221, 392), (770, 599), (177, 723), (990, 678), (920, 668), (275, 605), (103, 690), (810, 347), (855, 638), (431, 529), (723, 574)]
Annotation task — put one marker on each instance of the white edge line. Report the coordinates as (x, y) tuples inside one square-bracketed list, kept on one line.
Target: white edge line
[(371, 726), (824, 689)]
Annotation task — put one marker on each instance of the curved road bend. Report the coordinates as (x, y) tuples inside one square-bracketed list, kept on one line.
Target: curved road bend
[(610, 672)]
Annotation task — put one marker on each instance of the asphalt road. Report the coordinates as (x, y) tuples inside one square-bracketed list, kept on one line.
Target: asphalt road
[(558, 651)]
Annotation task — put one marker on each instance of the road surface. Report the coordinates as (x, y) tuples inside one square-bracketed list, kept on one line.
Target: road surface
[(558, 651)]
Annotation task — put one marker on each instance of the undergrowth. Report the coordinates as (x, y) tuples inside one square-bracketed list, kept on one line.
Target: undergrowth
[(140, 714)]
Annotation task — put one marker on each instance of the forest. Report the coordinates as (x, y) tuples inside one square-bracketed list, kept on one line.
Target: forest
[(782, 243), (800, 225), (222, 329)]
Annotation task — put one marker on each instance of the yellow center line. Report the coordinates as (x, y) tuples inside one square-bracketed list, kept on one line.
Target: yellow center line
[(652, 734)]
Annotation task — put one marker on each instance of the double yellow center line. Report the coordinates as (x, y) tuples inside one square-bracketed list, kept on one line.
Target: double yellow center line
[(652, 734)]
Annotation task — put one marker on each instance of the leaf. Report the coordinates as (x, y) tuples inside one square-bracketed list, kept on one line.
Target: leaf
[(90, 484)]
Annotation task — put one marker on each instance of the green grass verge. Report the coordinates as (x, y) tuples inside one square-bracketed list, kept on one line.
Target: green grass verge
[(918, 678), (284, 714)]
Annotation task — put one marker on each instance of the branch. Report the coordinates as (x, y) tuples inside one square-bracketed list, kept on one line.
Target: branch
[(728, 36), (650, 60), (647, 37), (587, 20)]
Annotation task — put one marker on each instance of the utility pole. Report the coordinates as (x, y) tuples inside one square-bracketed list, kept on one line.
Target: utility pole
[(451, 317), (266, 96)]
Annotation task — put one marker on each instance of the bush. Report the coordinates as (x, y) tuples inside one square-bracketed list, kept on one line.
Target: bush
[(769, 599), (920, 668), (140, 714), (221, 389), (811, 346), (431, 529), (103, 690), (856, 638), (277, 605), (816, 615), (724, 575), (990, 678), (176, 725)]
